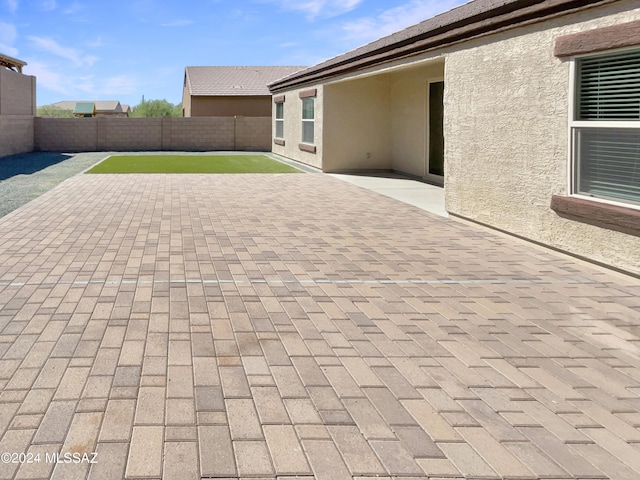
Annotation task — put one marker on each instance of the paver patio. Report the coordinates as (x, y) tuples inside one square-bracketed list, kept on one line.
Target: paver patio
[(296, 326)]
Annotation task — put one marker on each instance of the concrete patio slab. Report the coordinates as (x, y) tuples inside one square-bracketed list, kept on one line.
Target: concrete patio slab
[(297, 326), (414, 192)]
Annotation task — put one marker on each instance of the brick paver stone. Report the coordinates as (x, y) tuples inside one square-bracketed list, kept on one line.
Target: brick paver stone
[(110, 461), (286, 450), (325, 460), (55, 423), (145, 452), (240, 327), (356, 452), (180, 460)]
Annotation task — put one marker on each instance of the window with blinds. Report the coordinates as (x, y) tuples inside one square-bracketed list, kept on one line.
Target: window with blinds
[(280, 120), (308, 119), (606, 127)]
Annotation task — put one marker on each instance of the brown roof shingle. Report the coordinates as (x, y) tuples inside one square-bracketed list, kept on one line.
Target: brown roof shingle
[(474, 18), (233, 81)]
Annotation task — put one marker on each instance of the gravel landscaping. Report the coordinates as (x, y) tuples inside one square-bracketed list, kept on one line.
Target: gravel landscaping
[(27, 176)]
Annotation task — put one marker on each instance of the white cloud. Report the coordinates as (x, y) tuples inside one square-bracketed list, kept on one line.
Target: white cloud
[(118, 85), (76, 86), (48, 5), (389, 21), (85, 84), (77, 12), (72, 54), (97, 43), (12, 5), (178, 23), (319, 8), (48, 78), (8, 35)]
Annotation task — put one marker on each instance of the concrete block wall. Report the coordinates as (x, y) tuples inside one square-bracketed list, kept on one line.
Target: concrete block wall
[(66, 134), (253, 133), (17, 108), (16, 134), (129, 133), (198, 133), (17, 93), (122, 134)]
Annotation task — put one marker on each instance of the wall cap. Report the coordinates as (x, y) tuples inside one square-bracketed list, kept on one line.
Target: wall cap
[(604, 215), (311, 92), (598, 40), (305, 147)]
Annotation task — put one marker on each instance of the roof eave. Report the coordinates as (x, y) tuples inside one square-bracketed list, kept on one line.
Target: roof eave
[(505, 16)]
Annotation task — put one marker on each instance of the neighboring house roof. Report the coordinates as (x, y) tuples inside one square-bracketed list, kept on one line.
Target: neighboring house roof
[(234, 81), (112, 106), (83, 108), (11, 63), (473, 19)]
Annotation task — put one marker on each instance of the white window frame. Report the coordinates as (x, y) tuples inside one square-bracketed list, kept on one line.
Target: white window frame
[(309, 120), (575, 124), (279, 121)]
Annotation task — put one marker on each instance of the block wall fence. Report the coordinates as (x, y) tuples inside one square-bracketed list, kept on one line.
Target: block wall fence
[(16, 134), (17, 110), (167, 133)]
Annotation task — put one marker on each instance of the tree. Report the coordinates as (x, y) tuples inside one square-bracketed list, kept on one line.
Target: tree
[(156, 108), (53, 111)]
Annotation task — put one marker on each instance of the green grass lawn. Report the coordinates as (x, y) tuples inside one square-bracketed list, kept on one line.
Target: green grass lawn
[(191, 164)]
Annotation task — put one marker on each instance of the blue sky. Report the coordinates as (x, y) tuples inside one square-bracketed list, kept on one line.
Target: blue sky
[(121, 50)]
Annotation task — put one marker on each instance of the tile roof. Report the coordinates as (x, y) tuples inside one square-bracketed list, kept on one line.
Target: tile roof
[(233, 81), (101, 105), (84, 108), (474, 18)]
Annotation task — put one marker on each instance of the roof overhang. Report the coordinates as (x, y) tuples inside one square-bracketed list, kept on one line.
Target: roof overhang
[(471, 20), (11, 63)]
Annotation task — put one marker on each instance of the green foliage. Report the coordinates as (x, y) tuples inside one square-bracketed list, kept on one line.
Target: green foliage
[(156, 108), (53, 111), (191, 164)]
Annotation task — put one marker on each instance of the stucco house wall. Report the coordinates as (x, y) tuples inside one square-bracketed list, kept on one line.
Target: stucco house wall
[(507, 136), (367, 104), (293, 128), (409, 123), (506, 128)]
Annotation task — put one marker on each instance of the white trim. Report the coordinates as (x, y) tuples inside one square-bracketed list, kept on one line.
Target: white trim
[(572, 105), (308, 120), (574, 125), (633, 206), (277, 119), (605, 124)]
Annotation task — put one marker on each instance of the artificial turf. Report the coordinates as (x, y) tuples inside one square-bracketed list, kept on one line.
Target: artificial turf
[(191, 164)]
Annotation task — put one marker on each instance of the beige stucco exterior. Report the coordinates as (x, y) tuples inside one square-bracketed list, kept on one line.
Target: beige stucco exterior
[(507, 136), (388, 108), (293, 129), (506, 126)]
